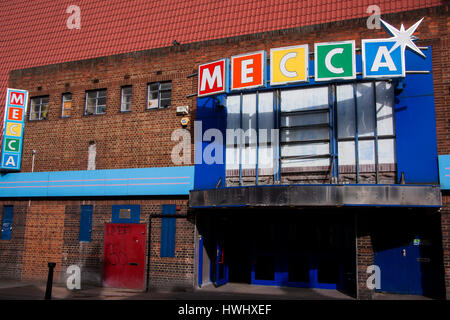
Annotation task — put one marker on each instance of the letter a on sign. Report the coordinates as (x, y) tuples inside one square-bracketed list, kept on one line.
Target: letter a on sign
[(212, 78), (379, 60)]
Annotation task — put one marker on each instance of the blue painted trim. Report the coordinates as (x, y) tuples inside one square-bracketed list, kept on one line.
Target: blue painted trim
[(114, 182), (444, 171), (200, 262), (7, 220), (85, 223), (135, 213), (168, 229)]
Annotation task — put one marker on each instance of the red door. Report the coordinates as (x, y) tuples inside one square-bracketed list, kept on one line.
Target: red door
[(124, 255)]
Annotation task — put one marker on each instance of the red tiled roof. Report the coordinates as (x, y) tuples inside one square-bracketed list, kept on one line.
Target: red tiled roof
[(34, 32)]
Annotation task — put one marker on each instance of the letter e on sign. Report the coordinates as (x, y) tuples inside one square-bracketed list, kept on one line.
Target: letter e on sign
[(212, 78), (247, 70), (17, 98)]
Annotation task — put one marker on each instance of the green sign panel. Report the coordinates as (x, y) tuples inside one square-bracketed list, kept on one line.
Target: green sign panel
[(335, 60)]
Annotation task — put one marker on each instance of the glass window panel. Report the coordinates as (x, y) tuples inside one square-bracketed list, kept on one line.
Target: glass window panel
[(345, 111), (346, 151), (265, 156), (299, 149), (295, 163), (154, 87), (101, 93), (152, 103), (90, 106), (101, 101), (366, 109), (306, 134), (366, 152), (166, 86), (101, 109), (304, 99), (302, 120), (166, 94), (45, 99), (249, 118), (165, 103), (233, 119), (386, 151), (92, 94), (385, 104)]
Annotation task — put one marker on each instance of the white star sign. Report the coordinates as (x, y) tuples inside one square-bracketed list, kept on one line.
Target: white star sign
[(404, 38)]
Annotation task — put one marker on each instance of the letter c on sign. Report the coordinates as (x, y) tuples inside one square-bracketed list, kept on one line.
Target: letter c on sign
[(13, 130), (328, 58), (284, 71), (10, 145)]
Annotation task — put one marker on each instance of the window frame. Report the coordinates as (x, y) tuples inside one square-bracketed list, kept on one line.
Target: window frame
[(122, 97), (159, 93), (63, 101), (40, 118), (97, 91)]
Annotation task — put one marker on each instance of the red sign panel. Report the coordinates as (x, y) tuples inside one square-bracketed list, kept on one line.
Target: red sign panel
[(124, 255), (212, 78), (247, 70), (15, 114), (17, 98)]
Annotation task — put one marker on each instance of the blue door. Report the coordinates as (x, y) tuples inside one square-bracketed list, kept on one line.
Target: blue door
[(221, 265), (401, 269)]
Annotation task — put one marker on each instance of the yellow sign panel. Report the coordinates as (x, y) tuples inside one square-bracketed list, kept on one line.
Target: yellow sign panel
[(289, 64), (14, 129)]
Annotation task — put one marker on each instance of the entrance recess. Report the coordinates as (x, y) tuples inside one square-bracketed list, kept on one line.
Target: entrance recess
[(124, 255), (310, 250)]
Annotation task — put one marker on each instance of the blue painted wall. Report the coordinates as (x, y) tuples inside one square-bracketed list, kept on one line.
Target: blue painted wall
[(211, 115), (415, 123)]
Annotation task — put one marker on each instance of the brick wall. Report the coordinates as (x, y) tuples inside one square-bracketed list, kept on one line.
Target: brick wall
[(51, 234), (43, 240), (365, 255), (12, 250)]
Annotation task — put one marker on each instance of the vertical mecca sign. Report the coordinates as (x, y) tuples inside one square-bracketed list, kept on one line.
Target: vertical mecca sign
[(13, 128)]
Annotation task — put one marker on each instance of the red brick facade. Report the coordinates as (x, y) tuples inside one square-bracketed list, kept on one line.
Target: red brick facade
[(48, 229)]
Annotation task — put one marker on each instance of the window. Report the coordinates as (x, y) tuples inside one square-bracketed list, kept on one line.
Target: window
[(339, 133), (66, 105), (125, 100), (159, 95), (39, 108), (95, 102)]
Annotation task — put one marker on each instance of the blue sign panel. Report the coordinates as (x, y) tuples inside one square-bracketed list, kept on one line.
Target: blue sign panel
[(114, 182), (16, 109), (444, 171), (379, 60)]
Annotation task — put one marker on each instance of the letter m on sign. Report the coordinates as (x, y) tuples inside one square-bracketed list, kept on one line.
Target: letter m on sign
[(17, 98), (212, 78)]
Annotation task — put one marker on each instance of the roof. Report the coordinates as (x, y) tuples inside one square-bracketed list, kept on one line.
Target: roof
[(34, 32)]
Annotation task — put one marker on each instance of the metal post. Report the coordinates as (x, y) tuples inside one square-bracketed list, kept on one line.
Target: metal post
[(48, 290)]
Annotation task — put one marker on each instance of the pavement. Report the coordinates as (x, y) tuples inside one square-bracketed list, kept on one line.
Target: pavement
[(19, 290)]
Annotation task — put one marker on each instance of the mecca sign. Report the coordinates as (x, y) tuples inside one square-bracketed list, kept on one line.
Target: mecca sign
[(381, 58), (13, 125)]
